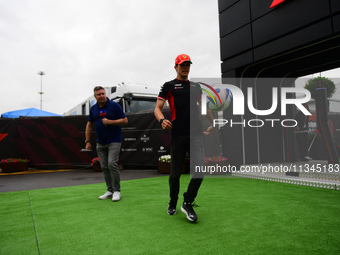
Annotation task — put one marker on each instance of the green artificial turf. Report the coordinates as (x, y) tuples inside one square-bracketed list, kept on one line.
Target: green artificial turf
[(236, 216)]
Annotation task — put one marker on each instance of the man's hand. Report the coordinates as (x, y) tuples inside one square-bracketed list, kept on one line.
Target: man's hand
[(88, 146), (166, 124), (209, 130), (105, 121)]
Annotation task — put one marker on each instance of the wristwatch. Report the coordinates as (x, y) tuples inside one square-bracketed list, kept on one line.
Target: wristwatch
[(160, 121), (86, 141)]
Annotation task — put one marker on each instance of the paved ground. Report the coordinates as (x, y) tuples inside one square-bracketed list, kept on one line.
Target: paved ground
[(39, 179)]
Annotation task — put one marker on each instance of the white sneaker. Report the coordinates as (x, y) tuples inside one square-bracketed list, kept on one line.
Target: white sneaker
[(106, 195), (116, 196), (308, 158)]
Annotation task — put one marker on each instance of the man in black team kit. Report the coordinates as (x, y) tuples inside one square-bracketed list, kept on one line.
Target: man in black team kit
[(184, 110)]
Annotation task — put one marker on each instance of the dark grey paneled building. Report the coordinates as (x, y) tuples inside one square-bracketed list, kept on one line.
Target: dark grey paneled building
[(292, 39)]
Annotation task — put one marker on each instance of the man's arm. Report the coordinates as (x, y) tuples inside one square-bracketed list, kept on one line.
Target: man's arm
[(210, 117), (88, 131), (119, 122), (166, 124)]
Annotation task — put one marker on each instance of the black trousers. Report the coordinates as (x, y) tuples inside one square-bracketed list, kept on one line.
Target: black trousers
[(180, 145), (302, 142)]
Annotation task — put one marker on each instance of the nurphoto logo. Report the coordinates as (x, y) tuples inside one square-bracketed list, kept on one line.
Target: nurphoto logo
[(218, 97)]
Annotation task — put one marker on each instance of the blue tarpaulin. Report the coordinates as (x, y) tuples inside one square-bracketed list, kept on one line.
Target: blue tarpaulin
[(30, 112)]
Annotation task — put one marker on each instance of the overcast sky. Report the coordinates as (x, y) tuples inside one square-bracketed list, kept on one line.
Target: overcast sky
[(80, 44)]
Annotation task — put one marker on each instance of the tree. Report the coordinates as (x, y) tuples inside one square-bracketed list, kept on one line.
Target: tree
[(312, 84)]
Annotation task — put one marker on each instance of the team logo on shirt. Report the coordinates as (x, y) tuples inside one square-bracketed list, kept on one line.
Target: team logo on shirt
[(178, 86), (102, 113)]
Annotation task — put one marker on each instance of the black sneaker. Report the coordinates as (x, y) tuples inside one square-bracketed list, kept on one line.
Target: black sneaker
[(171, 209), (189, 212)]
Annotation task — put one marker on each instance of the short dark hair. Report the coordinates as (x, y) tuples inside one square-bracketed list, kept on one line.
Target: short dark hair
[(97, 88)]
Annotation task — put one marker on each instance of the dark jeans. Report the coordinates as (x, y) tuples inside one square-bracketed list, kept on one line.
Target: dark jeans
[(180, 145)]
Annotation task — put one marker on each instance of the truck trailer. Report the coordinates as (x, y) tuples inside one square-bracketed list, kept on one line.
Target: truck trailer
[(133, 98)]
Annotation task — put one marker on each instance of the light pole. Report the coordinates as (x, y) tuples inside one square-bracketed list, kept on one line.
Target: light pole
[(41, 93)]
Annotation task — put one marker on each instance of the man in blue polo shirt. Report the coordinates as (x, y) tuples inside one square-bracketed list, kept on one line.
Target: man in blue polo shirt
[(107, 117)]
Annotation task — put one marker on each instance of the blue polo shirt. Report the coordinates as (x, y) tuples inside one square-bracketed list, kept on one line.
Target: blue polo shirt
[(110, 133)]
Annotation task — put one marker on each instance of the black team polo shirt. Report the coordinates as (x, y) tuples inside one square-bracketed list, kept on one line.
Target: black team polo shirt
[(183, 97)]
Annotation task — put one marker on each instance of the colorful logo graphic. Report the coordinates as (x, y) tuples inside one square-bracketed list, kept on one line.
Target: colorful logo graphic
[(102, 113), (218, 96)]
